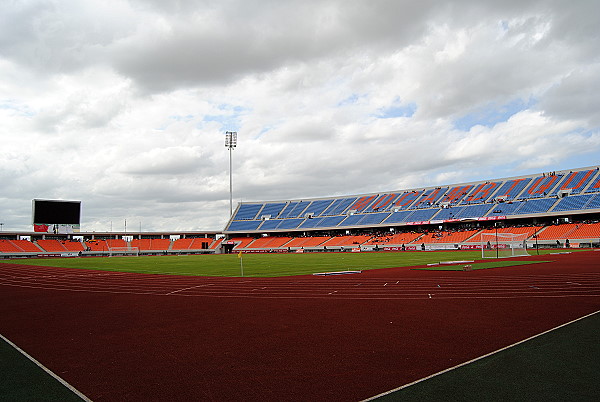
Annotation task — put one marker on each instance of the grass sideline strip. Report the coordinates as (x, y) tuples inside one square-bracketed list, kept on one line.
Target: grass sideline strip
[(479, 265)]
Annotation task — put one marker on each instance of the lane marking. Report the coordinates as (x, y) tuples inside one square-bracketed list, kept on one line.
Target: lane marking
[(476, 359), (47, 370), (191, 287)]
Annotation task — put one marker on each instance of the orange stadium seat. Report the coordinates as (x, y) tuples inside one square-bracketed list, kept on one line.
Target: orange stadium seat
[(96, 245), (9, 246), (447, 237), (396, 239), (346, 241), (116, 243), (270, 242), (557, 232), (160, 244), (308, 241), (142, 244), (51, 245), (215, 244), (72, 245), (26, 245), (526, 230), (243, 242), (586, 231), (182, 244)]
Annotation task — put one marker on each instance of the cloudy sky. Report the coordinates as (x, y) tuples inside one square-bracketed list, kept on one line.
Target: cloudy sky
[(124, 104)]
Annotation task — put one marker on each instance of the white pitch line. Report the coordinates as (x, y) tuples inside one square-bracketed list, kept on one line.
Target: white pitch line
[(47, 370)]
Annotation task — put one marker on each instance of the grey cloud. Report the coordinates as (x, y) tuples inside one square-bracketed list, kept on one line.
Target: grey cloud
[(124, 104), (577, 97), (59, 37), (179, 161)]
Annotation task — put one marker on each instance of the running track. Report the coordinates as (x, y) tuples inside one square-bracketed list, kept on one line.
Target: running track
[(122, 336)]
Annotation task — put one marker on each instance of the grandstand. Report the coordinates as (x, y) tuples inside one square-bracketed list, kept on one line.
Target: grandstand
[(447, 216), (527, 197), (555, 209)]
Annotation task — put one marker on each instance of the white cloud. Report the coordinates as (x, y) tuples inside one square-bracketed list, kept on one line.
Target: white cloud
[(124, 104)]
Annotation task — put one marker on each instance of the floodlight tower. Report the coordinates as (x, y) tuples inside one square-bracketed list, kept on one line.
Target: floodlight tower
[(230, 144)]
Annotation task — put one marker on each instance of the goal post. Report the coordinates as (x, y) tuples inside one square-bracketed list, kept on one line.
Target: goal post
[(502, 245), (123, 251)]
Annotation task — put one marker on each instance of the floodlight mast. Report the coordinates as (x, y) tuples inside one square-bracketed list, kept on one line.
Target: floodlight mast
[(230, 144)]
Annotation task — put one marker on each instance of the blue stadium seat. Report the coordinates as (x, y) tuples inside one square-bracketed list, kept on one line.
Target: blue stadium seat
[(298, 209), (331, 221), (317, 207), (272, 209), (456, 194), (430, 197), (244, 225), (338, 206), (290, 223), (595, 186), (270, 224), (512, 188), (398, 217), (505, 208), (542, 186), (247, 211), (382, 203), (573, 202), (576, 181), (420, 215), (310, 223), (475, 211), (594, 203), (535, 206), (405, 200), (352, 220), (288, 208), (449, 213), (482, 193), (374, 218)]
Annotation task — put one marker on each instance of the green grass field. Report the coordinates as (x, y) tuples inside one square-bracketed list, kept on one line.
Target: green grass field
[(260, 265)]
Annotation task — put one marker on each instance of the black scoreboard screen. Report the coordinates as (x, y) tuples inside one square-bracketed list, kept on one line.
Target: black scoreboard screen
[(56, 212)]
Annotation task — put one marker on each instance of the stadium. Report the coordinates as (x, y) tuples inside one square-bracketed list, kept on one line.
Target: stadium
[(401, 295), (411, 213), (546, 210)]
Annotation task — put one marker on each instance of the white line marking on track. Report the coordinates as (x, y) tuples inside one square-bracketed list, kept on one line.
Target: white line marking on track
[(191, 287), (40, 365), (488, 287), (477, 358)]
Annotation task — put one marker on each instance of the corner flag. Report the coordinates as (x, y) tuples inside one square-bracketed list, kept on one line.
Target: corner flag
[(241, 263)]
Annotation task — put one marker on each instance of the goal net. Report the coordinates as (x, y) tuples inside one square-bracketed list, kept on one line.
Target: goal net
[(123, 251), (501, 245)]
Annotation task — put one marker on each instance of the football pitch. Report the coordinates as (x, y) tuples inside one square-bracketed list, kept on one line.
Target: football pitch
[(266, 265)]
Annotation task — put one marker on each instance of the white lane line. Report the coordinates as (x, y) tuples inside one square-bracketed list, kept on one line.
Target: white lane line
[(47, 370), (477, 358), (191, 287)]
